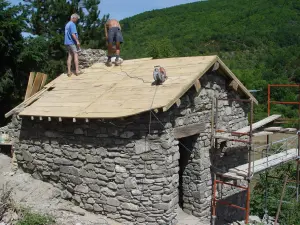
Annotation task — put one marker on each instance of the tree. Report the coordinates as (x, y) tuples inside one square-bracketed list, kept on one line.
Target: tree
[(11, 42), (161, 49), (48, 18), (92, 27)]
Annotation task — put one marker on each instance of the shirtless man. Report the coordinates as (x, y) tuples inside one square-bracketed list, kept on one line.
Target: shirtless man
[(113, 35)]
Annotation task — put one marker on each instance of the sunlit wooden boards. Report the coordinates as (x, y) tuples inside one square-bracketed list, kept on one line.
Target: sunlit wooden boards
[(241, 172), (259, 124), (113, 92), (35, 83)]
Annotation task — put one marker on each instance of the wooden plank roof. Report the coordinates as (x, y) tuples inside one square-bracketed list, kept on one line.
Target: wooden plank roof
[(126, 90)]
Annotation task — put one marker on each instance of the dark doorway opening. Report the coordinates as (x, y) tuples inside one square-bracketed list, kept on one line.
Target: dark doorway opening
[(6, 149), (186, 147)]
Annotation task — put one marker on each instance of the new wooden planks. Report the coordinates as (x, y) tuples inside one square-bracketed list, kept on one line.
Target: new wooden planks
[(273, 129), (44, 80), (37, 83), (233, 176), (129, 84), (259, 124), (262, 133), (29, 85), (266, 159)]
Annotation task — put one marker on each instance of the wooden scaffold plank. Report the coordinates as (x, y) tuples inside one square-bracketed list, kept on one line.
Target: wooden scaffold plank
[(259, 124)]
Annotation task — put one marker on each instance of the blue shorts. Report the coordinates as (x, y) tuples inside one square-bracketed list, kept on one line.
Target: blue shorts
[(115, 35)]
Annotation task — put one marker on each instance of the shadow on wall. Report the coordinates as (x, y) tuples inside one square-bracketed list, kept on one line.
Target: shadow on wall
[(186, 146), (226, 214), (222, 159)]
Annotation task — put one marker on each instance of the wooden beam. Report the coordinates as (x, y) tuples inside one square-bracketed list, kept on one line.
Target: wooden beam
[(216, 66), (258, 124), (197, 85), (178, 102), (189, 130), (29, 85), (233, 176), (262, 133), (44, 80), (37, 83), (234, 85), (230, 74)]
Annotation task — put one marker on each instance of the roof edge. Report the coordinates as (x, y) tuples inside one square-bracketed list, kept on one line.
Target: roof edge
[(231, 74)]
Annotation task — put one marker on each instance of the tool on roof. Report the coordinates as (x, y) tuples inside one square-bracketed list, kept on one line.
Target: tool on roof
[(159, 75)]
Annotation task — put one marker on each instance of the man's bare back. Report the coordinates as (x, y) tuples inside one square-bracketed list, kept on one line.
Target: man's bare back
[(113, 23)]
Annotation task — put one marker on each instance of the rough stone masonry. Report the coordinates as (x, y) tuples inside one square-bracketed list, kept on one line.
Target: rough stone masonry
[(129, 169)]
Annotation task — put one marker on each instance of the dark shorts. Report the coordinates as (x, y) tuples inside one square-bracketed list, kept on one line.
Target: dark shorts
[(115, 35)]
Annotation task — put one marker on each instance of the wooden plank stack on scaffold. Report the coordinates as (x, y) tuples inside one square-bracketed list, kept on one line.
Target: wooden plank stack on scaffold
[(258, 124), (241, 172), (281, 130)]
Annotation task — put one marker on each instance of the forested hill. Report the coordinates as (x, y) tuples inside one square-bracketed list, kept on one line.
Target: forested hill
[(258, 39)]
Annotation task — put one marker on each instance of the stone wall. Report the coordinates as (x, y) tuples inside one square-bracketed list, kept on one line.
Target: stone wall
[(111, 168), (88, 57), (197, 177), (120, 169)]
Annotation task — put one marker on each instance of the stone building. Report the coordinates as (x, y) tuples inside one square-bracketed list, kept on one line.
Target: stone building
[(117, 145)]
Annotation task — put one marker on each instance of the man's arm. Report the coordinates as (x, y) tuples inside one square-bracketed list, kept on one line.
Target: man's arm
[(74, 32)]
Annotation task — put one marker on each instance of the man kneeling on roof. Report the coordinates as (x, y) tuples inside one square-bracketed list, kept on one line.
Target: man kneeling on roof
[(113, 35)]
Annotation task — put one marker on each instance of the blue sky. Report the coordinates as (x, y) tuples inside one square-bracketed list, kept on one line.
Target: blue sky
[(119, 9)]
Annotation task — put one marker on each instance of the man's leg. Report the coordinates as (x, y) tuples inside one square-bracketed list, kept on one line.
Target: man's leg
[(69, 61), (76, 61), (110, 53), (118, 53), (118, 50), (119, 40)]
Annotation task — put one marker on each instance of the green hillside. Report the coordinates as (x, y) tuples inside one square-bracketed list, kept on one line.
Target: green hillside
[(258, 39)]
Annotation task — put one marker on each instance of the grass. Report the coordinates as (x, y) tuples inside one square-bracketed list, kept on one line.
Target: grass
[(31, 218), (27, 217)]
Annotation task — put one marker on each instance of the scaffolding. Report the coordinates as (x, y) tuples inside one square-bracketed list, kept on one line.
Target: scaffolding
[(247, 171)]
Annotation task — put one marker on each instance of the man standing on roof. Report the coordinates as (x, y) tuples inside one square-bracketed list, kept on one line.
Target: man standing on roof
[(72, 43), (113, 35)]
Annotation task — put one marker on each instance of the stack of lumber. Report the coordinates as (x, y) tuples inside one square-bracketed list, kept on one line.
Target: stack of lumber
[(281, 130), (259, 124), (36, 82), (241, 172), (35, 88)]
